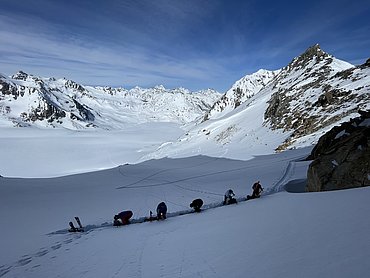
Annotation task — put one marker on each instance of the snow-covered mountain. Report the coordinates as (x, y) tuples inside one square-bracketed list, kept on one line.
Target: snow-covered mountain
[(314, 92), (47, 102), (261, 113), (242, 90), (288, 108)]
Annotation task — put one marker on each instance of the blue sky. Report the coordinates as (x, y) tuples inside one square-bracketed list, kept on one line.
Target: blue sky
[(182, 43)]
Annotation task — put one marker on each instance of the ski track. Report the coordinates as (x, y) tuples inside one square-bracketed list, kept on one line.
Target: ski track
[(134, 266), (160, 172), (287, 173), (277, 187)]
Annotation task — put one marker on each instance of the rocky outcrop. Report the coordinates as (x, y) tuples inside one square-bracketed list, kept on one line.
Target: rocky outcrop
[(341, 158)]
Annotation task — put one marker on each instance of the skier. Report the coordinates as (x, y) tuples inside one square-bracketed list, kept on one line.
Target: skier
[(257, 190), (161, 211), (196, 204), (123, 218), (229, 197)]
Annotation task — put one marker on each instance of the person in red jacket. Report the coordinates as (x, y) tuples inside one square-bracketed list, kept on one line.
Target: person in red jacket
[(123, 218)]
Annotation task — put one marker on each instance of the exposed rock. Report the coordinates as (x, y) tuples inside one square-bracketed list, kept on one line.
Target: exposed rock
[(366, 64), (20, 75), (341, 158), (7, 88), (312, 93), (73, 85)]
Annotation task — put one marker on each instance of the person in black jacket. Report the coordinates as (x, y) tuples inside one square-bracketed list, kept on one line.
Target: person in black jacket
[(257, 190), (196, 204), (229, 197), (161, 211)]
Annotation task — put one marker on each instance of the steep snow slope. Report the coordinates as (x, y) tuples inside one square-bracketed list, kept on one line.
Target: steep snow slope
[(305, 99), (46, 102)]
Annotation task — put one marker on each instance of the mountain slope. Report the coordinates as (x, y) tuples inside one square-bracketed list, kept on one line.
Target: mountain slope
[(314, 92), (306, 98), (242, 90), (28, 100)]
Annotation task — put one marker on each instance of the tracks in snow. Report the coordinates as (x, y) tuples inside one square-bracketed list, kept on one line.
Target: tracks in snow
[(28, 260), (278, 186)]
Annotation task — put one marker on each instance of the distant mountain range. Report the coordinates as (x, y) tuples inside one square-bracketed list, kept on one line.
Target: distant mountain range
[(27, 100), (279, 109)]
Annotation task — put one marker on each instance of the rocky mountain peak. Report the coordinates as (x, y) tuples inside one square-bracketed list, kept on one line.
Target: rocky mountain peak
[(73, 85), (20, 75), (310, 90), (313, 50), (366, 64), (313, 53)]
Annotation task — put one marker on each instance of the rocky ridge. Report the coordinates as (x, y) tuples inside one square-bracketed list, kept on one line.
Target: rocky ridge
[(341, 158)]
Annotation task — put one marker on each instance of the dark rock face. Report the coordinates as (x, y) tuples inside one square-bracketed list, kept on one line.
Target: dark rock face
[(20, 76), (341, 158), (8, 89)]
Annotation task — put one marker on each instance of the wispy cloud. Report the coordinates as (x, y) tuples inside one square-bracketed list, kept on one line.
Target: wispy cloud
[(195, 44), (80, 59)]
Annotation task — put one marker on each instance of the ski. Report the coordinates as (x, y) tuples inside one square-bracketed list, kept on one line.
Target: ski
[(79, 222), (74, 229)]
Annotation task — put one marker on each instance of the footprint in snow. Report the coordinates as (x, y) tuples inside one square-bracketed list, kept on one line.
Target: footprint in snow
[(24, 261), (41, 253), (67, 241), (4, 270), (55, 247)]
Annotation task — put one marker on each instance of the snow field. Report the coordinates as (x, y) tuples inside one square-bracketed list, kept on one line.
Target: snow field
[(279, 235), (46, 205)]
